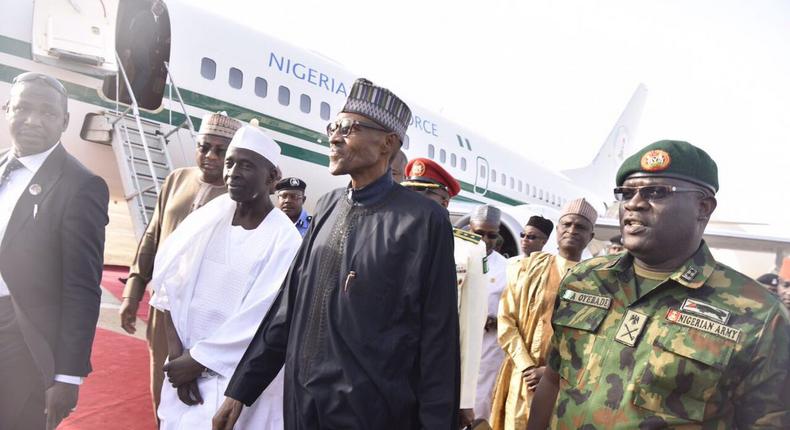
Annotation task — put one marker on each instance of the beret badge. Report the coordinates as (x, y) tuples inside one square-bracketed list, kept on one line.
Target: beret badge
[(655, 160)]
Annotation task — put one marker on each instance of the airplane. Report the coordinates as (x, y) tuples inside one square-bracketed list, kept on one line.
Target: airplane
[(133, 134)]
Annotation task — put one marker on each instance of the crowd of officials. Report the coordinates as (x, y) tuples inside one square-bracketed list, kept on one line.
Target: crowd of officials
[(374, 312)]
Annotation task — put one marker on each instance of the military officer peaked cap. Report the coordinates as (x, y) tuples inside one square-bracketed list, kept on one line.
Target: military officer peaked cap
[(290, 184), (422, 172), (672, 159)]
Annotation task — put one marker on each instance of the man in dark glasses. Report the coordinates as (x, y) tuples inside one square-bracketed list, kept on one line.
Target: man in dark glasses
[(428, 178), (664, 336), (53, 212), (183, 191), (366, 323), (485, 221), (536, 233), (525, 313)]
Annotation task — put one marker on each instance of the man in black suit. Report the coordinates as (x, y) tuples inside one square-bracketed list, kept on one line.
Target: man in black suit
[(52, 217)]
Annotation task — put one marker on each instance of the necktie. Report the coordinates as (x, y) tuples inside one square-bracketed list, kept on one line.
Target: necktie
[(11, 165)]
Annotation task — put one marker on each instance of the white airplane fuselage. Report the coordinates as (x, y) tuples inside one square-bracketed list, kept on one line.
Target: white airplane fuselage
[(220, 65)]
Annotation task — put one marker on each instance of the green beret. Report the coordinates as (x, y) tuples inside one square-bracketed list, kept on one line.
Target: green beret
[(672, 159)]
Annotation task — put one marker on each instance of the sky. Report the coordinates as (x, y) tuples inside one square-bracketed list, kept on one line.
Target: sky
[(550, 78)]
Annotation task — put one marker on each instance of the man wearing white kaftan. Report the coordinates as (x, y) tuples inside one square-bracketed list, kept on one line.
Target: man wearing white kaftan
[(492, 354), (217, 280)]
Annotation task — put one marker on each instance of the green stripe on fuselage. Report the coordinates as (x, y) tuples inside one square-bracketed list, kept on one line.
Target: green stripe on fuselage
[(91, 96)]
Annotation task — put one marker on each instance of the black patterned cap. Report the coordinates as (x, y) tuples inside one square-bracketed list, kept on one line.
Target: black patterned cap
[(380, 105)]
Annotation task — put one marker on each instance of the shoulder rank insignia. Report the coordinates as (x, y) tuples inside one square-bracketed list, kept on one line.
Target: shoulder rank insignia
[(689, 274), (704, 324), (587, 299), (705, 310), (630, 328), (485, 264), (467, 235)]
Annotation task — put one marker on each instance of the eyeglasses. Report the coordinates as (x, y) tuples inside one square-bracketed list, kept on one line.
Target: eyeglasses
[(219, 151), (430, 190), (489, 235), (347, 126), (289, 196), (529, 236), (651, 192), (46, 79)]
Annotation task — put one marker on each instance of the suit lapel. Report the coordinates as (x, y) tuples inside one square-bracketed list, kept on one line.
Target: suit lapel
[(46, 178)]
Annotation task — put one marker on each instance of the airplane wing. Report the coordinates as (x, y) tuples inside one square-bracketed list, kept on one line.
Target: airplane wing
[(715, 238)]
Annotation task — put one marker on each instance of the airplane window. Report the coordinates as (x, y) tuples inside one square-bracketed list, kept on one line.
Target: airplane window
[(493, 175), (463, 164), (512, 183), (552, 199), (534, 191), (520, 185), (261, 87), (453, 160), (325, 111), (406, 142), (284, 96), (483, 171), (442, 156), (431, 151), (235, 78), (304, 103), (504, 180), (526, 189), (208, 68), (541, 195)]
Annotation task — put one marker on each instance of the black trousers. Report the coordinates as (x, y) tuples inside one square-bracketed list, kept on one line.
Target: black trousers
[(21, 387)]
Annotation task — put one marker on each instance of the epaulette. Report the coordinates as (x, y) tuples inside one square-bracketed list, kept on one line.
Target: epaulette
[(467, 235)]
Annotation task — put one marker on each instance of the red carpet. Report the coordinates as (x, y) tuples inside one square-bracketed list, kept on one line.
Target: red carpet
[(110, 281), (115, 396)]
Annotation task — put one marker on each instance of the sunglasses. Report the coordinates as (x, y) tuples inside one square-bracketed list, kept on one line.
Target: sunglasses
[(46, 79), (219, 151), (651, 192), (347, 126), (528, 236)]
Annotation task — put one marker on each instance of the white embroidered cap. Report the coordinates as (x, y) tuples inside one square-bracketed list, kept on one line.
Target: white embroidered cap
[(254, 139)]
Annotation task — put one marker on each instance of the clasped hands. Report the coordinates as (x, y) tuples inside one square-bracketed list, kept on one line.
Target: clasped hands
[(182, 372)]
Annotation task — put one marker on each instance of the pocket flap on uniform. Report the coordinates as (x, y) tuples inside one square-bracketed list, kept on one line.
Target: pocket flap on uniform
[(579, 316), (697, 345)]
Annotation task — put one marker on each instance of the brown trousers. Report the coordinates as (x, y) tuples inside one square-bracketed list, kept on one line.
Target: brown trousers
[(157, 348)]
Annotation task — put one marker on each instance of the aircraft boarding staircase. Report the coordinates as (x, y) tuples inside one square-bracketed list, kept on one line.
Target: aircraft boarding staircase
[(140, 148)]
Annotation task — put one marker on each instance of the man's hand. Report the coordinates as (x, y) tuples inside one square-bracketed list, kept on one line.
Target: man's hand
[(128, 313), (189, 393), (490, 324), (61, 398), (227, 415), (532, 376), (466, 416), (183, 369)]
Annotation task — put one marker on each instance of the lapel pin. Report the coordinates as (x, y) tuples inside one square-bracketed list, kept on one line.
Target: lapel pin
[(34, 189)]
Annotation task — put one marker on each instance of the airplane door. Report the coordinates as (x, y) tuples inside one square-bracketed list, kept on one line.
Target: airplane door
[(75, 35), (481, 176)]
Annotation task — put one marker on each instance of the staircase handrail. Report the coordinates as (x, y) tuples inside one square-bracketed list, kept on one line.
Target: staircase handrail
[(140, 129)]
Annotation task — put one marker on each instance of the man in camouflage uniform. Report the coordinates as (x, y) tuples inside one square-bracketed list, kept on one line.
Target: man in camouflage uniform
[(663, 336), (431, 180)]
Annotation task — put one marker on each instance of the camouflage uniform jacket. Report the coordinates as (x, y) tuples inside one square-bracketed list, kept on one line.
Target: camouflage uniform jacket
[(708, 348)]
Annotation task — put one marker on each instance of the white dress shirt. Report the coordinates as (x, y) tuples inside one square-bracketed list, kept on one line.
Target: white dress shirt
[(17, 185)]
